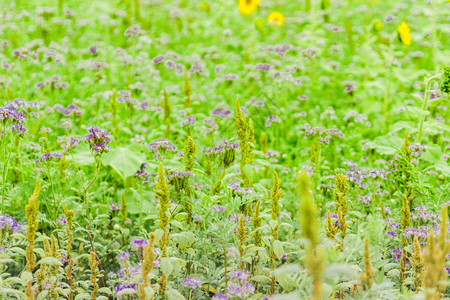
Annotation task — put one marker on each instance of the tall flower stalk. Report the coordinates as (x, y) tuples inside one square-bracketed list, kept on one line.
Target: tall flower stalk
[(310, 229), (98, 141)]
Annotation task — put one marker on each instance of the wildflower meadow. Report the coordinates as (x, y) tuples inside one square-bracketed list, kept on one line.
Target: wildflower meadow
[(226, 149)]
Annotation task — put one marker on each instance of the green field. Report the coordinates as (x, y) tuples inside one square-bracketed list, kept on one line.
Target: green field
[(226, 149)]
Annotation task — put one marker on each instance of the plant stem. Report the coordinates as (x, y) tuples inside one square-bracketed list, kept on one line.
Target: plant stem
[(97, 167), (425, 104)]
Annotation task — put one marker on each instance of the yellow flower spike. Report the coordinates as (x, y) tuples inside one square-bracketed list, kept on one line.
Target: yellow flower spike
[(247, 7), (275, 19), (404, 33)]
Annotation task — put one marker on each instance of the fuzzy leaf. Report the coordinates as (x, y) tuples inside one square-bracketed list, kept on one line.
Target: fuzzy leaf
[(278, 249), (286, 282), (50, 261), (166, 266), (125, 161)]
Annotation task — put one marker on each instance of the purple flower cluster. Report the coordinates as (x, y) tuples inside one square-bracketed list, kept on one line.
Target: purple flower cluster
[(192, 283), (120, 288), (61, 221), (68, 145), (98, 140), (53, 82), (141, 174), (189, 120), (359, 176), (10, 224), (220, 147), (221, 112), (417, 149), (48, 157), (114, 206), (397, 253), (237, 189), (240, 275), (123, 256), (422, 214), (334, 219), (218, 208), (137, 244), (161, 146), (263, 67), (10, 115), (179, 175), (71, 109), (323, 135), (272, 119), (243, 288), (235, 218)]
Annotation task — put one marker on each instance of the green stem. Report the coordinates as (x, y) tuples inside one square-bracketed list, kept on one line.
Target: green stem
[(425, 104), (5, 173)]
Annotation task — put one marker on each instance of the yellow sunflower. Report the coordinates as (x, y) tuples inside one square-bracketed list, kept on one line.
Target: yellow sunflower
[(404, 33), (247, 7), (275, 19)]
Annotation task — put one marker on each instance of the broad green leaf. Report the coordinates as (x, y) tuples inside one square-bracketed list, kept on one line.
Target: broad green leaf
[(286, 281), (173, 294), (273, 224), (82, 155), (124, 160), (248, 170), (166, 266), (278, 249), (386, 144), (50, 261)]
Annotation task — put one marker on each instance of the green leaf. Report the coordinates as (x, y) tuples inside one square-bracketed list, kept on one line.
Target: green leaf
[(173, 294), (50, 261), (18, 250), (278, 249), (166, 266), (82, 155), (286, 281), (26, 276), (125, 161), (248, 170), (273, 224), (386, 144), (432, 154)]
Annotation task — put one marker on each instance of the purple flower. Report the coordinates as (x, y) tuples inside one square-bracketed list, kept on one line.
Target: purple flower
[(220, 297), (158, 59), (9, 223), (137, 244), (160, 146), (61, 221), (98, 140), (272, 119), (219, 208), (221, 112), (114, 206), (392, 233), (123, 256), (48, 157), (188, 120), (122, 287), (241, 291), (263, 67), (9, 114), (93, 50), (191, 283), (240, 275)]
